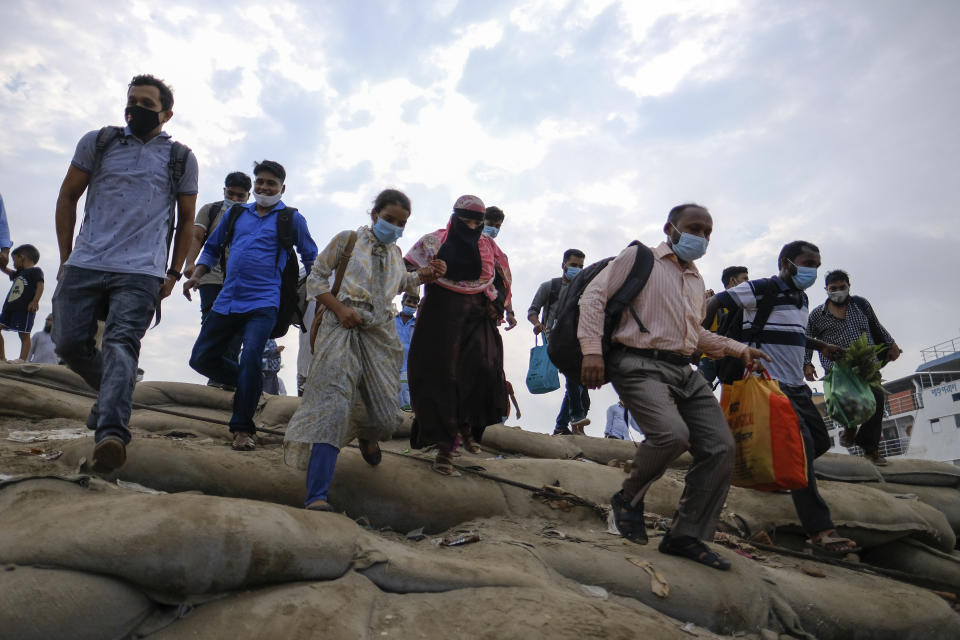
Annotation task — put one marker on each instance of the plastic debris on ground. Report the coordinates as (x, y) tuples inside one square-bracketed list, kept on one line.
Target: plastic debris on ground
[(50, 434)]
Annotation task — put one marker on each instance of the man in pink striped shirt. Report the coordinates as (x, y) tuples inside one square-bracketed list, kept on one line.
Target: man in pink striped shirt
[(649, 366)]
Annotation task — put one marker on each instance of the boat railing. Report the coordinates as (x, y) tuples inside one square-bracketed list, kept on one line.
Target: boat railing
[(939, 350), (887, 448), (902, 402), (930, 379)]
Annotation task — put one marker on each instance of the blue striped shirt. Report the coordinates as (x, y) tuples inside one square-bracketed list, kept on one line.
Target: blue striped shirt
[(783, 337)]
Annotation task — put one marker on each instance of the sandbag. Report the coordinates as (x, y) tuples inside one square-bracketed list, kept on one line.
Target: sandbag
[(528, 443), (55, 374), (53, 604), (946, 500), (30, 401), (916, 558), (352, 607), (184, 395), (923, 472), (845, 468), (848, 605)]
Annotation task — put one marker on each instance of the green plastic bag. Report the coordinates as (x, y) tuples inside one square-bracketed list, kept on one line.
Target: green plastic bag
[(849, 398)]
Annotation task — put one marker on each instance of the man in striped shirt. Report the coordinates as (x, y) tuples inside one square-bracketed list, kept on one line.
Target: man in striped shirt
[(649, 366), (783, 336)]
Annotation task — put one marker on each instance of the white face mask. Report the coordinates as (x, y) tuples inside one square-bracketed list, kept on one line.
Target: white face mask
[(838, 297), (267, 201)]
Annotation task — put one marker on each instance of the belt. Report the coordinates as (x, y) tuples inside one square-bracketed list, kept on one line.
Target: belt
[(672, 357)]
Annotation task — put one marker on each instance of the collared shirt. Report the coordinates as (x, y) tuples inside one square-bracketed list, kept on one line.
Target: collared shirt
[(671, 307), (256, 260), (42, 349), (405, 333), (128, 209), (207, 218), (783, 336), (5, 241), (842, 332), (619, 423)]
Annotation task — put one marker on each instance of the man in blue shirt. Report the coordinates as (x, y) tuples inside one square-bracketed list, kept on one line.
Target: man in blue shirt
[(248, 303), (5, 241), (117, 269), (406, 322)]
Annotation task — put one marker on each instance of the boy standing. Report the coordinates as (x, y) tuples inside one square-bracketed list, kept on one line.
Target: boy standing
[(20, 307)]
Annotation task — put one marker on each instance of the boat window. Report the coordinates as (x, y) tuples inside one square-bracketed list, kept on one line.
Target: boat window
[(935, 425), (956, 397), (956, 419)]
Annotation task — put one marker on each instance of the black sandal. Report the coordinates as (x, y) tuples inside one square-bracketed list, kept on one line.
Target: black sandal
[(690, 547), (629, 520), (372, 458)]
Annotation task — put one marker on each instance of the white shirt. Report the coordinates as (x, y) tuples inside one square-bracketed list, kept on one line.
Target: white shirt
[(42, 349)]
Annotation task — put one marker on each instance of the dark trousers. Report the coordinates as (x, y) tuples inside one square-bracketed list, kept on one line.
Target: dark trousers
[(209, 358), (575, 405), (870, 432), (208, 295), (129, 302), (813, 511)]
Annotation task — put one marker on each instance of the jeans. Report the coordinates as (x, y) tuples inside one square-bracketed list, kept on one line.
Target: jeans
[(575, 405), (128, 301), (208, 295), (811, 507), (210, 358)]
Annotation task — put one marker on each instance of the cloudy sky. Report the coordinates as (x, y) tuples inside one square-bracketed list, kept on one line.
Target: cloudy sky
[(834, 122)]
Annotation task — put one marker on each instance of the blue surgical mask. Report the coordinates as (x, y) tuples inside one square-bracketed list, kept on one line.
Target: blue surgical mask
[(387, 233), (490, 231), (408, 311), (571, 272), (804, 277), (689, 247)]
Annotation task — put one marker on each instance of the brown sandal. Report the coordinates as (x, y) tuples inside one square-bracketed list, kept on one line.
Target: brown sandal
[(243, 441), (833, 545), (319, 505), (443, 464)]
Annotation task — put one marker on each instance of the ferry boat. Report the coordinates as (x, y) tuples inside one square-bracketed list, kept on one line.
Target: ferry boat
[(921, 417)]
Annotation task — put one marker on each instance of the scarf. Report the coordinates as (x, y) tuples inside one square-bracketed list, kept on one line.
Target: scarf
[(461, 251)]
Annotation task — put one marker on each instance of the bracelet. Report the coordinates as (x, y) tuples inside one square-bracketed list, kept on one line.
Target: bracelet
[(176, 274)]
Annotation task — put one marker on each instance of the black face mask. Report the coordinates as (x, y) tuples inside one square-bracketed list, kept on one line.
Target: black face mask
[(142, 120), (47, 328), (460, 251)]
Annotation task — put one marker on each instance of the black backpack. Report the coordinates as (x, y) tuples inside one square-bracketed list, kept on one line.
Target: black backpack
[(564, 346), (729, 368), (290, 311)]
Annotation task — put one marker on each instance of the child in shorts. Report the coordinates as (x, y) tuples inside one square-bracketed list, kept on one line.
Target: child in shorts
[(21, 304)]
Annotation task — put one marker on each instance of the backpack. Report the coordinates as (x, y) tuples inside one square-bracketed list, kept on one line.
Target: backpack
[(290, 310), (876, 333), (730, 368), (176, 167), (564, 346)]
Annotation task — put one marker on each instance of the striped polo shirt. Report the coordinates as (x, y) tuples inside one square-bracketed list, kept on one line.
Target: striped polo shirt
[(783, 337)]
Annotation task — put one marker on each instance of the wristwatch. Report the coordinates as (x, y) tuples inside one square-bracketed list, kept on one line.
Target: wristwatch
[(176, 274)]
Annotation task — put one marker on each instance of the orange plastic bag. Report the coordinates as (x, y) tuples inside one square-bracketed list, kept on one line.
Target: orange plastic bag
[(769, 453)]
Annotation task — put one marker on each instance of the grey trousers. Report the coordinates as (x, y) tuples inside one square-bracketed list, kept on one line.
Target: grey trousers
[(129, 302), (676, 410)]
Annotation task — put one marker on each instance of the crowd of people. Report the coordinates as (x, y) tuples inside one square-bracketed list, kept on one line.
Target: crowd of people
[(441, 357)]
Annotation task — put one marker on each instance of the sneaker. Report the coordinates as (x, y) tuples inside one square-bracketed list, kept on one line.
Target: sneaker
[(562, 431), (876, 458), (109, 454)]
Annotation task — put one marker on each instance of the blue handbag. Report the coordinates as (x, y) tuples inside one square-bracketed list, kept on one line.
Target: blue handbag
[(542, 375)]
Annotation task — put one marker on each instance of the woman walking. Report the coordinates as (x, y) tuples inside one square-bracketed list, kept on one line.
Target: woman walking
[(353, 381), (455, 366)]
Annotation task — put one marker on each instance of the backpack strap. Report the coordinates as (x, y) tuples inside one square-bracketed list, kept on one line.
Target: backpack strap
[(636, 281), (765, 305), (555, 285), (231, 223), (105, 136), (285, 233), (176, 167), (342, 263)]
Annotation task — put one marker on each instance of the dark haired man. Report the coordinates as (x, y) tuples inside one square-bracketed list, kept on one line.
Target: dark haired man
[(248, 303), (236, 190), (782, 334), (492, 222), (117, 270), (731, 277), (649, 366), (840, 320), (576, 398)]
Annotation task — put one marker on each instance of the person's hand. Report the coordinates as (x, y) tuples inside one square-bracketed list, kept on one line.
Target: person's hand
[(538, 328), (167, 287), (439, 267), (348, 316), (33, 307), (810, 372), (832, 352), (893, 352), (189, 269), (5, 258), (280, 348), (752, 359), (708, 294), (592, 372), (427, 274), (511, 320), (59, 271), (189, 285)]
